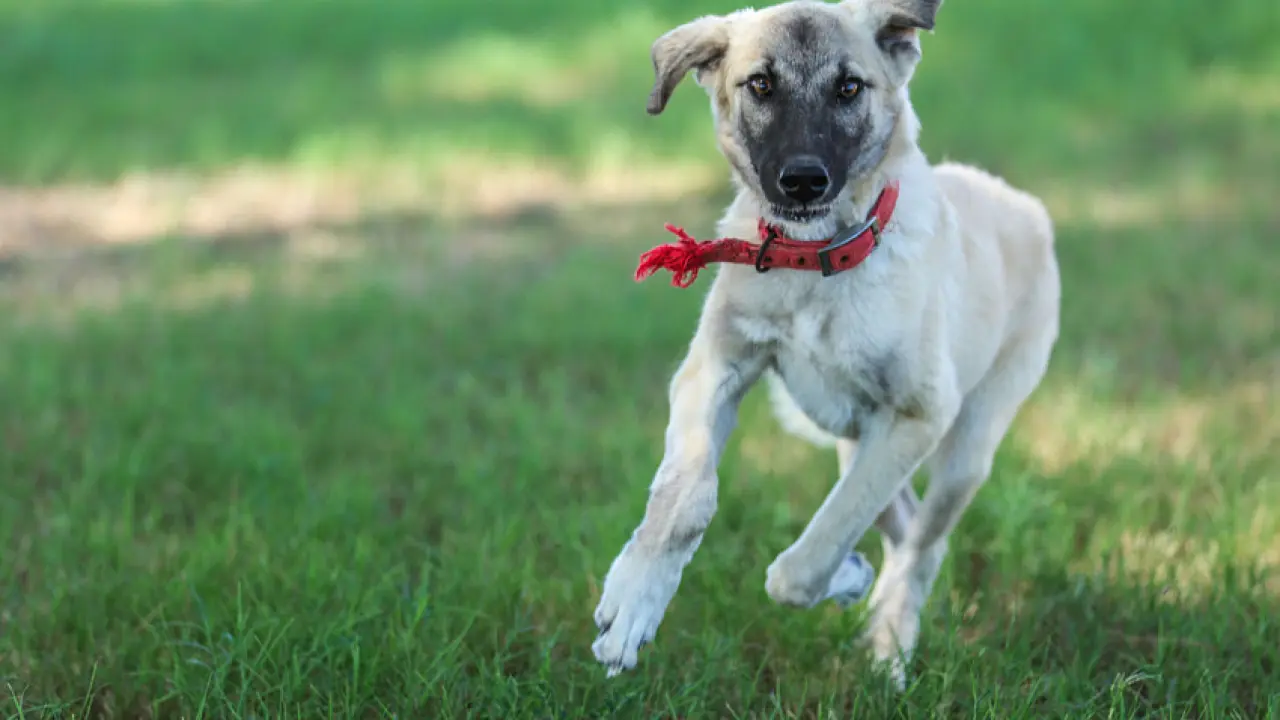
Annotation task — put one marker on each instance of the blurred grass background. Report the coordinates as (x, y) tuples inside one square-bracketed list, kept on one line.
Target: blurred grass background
[(325, 390)]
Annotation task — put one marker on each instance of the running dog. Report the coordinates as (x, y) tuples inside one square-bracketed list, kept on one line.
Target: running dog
[(901, 312)]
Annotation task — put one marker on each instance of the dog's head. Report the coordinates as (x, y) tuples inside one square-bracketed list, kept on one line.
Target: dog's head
[(806, 94)]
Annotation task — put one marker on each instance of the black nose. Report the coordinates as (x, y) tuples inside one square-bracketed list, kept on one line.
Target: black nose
[(804, 180)]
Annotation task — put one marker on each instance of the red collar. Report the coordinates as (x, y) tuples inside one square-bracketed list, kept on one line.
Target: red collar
[(844, 251)]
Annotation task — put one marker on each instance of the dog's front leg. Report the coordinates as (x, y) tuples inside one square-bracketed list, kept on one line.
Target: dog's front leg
[(704, 396), (890, 453), (893, 446)]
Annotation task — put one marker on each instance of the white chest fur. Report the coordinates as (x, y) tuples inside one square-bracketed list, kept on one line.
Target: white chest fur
[(836, 364), (827, 396)]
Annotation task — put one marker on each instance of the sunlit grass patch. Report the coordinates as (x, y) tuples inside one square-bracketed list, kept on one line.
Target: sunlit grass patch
[(326, 389)]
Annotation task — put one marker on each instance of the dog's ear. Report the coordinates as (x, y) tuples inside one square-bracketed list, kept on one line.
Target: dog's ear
[(899, 35), (897, 25), (901, 22), (698, 45)]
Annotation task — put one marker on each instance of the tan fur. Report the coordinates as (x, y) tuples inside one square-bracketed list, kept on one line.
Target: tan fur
[(923, 354)]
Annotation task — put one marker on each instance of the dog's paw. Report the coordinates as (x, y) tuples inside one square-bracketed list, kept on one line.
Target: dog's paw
[(852, 581), (792, 582), (888, 657), (636, 593)]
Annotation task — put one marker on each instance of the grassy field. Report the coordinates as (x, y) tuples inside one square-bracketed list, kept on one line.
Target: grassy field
[(325, 390)]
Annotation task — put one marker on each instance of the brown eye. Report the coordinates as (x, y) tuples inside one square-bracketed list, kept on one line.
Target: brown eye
[(760, 85), (848, 88)]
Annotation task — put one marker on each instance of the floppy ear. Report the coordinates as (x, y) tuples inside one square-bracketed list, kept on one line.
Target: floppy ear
[(697, 45), (899, 34)]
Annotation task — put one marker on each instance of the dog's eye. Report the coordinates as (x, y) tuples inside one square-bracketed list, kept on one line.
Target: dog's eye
[(848, 88), (760, 85)]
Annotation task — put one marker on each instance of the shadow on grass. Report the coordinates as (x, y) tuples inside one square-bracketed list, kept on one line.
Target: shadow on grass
[(1075, 646)]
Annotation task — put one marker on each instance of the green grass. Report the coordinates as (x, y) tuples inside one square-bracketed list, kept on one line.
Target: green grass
[(245, 481)]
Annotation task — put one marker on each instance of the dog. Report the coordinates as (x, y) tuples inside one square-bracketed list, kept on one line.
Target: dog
[(899, 311)]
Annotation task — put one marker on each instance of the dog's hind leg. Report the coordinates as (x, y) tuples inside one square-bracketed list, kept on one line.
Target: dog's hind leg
[(958, 468)]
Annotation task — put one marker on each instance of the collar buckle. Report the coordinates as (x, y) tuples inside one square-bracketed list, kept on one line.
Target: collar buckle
[(844, 238)]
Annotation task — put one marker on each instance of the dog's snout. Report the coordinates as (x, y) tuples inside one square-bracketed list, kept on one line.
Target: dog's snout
[(804, 179)]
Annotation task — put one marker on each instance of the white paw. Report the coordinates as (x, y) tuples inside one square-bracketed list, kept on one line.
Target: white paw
[(852, 581), (889, 656), (636, 593), (791, 581)]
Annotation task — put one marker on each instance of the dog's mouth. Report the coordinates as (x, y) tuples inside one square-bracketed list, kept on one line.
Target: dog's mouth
[(800, 213)]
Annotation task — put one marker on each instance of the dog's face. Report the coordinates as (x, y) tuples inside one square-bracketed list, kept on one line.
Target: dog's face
[(805, 94)]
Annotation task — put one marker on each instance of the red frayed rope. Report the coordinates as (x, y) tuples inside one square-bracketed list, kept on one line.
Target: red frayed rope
[(683, 258)]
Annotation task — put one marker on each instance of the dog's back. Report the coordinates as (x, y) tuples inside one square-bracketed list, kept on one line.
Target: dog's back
[(1008, 238), (990, 208)]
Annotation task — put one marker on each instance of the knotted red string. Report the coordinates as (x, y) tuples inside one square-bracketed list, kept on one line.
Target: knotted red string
[(683, 258)]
